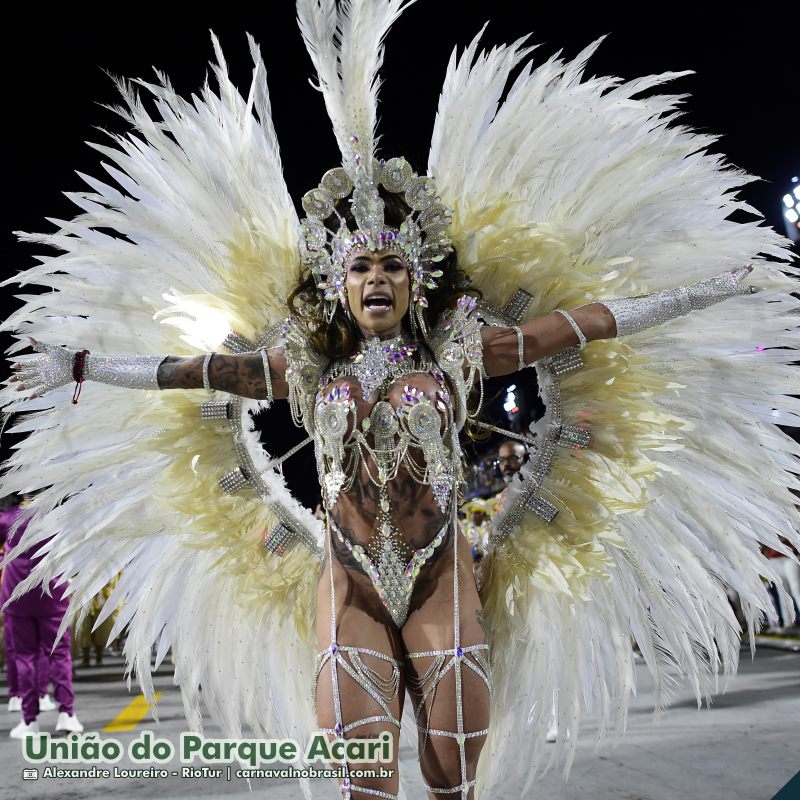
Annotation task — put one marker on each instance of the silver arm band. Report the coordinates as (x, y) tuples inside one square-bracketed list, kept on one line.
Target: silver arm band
[(569, 318), (634, 314), (267, 376), (206, 362), (520, 347)]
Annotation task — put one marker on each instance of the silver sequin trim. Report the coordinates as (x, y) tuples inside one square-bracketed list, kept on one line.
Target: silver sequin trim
[(130, 372)]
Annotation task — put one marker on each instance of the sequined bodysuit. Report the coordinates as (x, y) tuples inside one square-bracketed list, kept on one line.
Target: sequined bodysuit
[(380, 457)]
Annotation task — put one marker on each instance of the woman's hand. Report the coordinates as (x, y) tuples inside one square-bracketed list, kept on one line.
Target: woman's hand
[(634, 314), (720, 287), (49, 371)]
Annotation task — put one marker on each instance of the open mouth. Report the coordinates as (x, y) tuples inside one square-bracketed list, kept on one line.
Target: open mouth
[(377, 304)]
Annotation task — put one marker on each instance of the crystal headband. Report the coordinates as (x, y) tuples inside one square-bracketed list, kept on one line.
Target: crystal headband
[(421, 239)]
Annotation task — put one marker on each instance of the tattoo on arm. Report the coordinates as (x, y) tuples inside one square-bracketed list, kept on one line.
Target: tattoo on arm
[(181, 373), (236, 374)]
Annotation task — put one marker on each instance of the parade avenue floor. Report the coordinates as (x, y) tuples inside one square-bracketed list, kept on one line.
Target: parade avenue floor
[(745, 747)]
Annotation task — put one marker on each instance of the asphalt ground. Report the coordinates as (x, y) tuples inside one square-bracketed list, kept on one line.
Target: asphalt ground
[(745, 747)]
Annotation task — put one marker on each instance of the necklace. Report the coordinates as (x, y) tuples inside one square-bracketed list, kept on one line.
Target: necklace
[(378, 361)]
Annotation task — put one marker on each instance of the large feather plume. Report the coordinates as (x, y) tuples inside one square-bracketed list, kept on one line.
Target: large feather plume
[(205, 243), (345, 42), (577, 190)]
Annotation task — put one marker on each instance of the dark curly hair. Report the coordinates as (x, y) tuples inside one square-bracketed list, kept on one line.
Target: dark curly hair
[(339, 337)]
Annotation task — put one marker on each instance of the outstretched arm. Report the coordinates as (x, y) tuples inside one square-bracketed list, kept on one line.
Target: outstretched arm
[(258, 375), (542, 337), (238, 374), (508, 349)]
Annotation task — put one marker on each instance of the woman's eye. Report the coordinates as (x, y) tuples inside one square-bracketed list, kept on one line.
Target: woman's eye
[(394, 266), (359, 267)]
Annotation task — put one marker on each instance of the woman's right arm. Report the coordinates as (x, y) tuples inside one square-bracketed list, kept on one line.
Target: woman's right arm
[(259, 375), (242, 374)]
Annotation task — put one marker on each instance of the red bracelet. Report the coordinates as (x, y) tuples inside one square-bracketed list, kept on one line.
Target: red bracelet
[(78, 366)]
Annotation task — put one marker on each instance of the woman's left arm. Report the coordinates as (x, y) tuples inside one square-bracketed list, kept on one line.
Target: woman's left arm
[(508, 349), (544, 336)]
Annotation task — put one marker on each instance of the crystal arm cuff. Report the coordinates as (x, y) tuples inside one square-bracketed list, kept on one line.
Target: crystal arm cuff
[(131, 372), (578, 332), (634, 314), (54, 367)]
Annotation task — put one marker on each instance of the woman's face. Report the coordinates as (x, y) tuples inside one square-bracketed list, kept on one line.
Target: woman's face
[(378, 292)]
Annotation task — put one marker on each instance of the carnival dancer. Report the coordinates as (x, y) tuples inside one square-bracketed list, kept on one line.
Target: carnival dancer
[(604, 532)]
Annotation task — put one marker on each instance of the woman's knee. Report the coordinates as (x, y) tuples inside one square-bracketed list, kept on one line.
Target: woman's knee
[(450, 762), (454, 722)]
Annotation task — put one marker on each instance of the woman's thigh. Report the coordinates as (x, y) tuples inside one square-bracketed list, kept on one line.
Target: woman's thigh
[(449, 682), (361, 681)]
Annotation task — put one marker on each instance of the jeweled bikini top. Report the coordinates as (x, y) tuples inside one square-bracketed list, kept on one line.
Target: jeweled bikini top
[(429, 421)]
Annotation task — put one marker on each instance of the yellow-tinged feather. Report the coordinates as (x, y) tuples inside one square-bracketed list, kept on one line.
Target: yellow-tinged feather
[(234, 526)]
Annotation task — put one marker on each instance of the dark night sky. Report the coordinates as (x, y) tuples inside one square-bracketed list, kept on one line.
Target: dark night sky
[(746, 81), (744, 90)]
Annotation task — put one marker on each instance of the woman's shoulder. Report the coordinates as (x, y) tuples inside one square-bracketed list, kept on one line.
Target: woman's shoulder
[(456, 337)]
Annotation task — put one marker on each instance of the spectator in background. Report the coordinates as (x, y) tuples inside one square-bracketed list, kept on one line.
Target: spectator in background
[(7, 516), (511, 456), (477, 526), (89, 635), (35, 618)]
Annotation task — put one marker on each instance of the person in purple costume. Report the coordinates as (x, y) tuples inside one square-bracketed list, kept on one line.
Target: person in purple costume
[(35, 619), (7, 516)]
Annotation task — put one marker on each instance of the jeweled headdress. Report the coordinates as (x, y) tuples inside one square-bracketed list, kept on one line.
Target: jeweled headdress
[(421, 238), (348, 82)]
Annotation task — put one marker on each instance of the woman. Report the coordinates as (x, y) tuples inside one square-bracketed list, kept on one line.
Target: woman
[(397, 606), (377, 361)]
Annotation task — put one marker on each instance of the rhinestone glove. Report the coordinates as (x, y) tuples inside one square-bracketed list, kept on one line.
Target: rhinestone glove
[(634, 314), (54, 368)]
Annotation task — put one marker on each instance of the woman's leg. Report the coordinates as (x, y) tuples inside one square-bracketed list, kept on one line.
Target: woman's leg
[(448, 673), (360, 677)]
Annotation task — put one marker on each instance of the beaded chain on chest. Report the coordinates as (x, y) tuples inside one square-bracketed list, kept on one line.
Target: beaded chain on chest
[(422, 422)]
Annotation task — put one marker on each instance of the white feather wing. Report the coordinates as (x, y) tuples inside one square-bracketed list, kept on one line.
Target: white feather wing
[(577, 190), (191, 235)]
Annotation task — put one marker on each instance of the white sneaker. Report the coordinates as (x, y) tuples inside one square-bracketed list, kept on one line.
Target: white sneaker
[(552, 734), (24, 729), (46, 704), (68, 723), (15, 704)]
